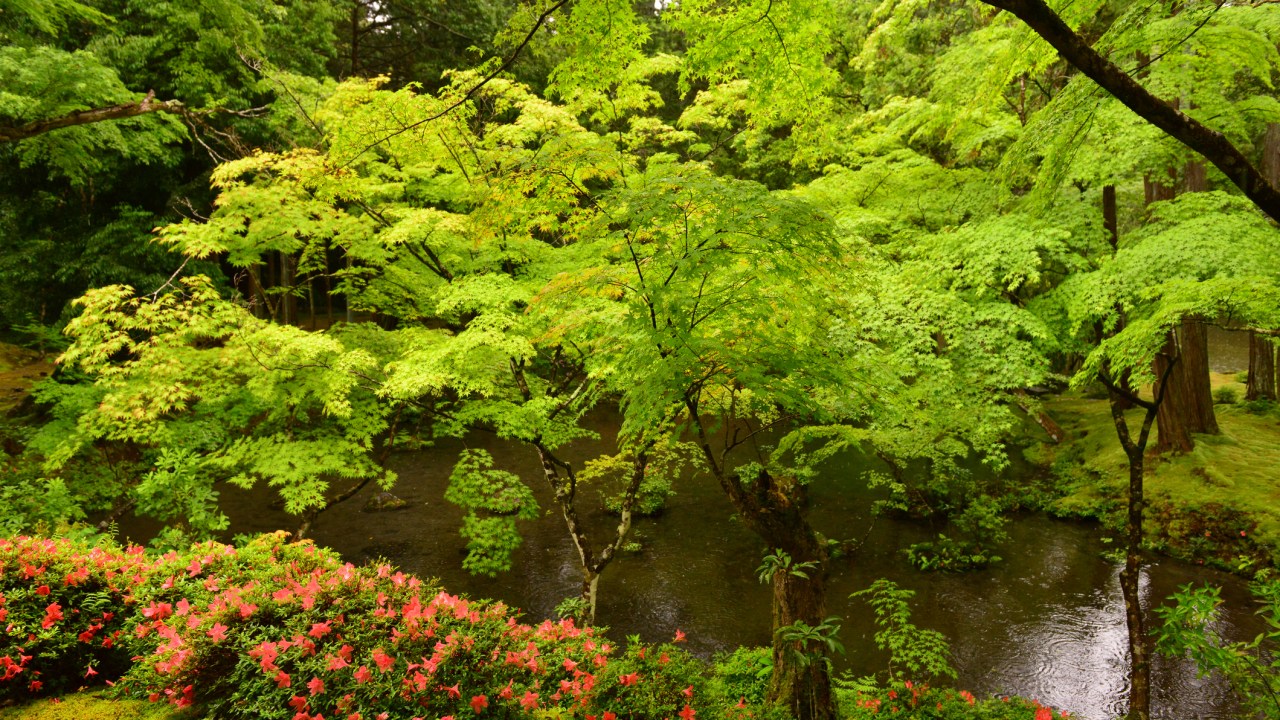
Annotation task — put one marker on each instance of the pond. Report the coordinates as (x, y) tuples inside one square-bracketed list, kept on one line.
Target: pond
[(1046, 623)]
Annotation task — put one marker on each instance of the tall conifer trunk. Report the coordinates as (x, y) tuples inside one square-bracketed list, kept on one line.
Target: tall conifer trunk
[(1262, 369), (1188, 398), (1262, 354)]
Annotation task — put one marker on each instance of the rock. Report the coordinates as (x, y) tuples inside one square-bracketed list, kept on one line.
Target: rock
[(385, 501)]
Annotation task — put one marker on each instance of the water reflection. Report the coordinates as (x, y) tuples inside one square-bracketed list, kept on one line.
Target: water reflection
[(1047, 623)]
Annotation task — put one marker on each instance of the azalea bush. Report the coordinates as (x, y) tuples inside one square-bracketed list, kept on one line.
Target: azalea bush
[(62, 613), (279, 630), (919, 701)]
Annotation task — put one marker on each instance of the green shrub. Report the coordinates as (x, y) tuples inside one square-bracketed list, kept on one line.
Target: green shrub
[(1226, 396), (1261, 406), (743, 674), (915, 701)]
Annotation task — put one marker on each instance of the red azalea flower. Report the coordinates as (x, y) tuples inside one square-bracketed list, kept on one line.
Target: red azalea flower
[(629, 679), (52, 614), (218, 632), (479, 703), (316, 686), (362, 675), (320, 629), (453, 692), (42, 590), (383, 660), (680, 637), (529, 701), (687, 713), (283, 680), (90, 672)]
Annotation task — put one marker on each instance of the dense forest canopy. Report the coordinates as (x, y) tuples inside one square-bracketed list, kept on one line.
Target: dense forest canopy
[(275, 241)]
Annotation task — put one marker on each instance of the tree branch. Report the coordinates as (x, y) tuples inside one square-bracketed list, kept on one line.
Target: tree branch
[(94, 115), (1213, 145)]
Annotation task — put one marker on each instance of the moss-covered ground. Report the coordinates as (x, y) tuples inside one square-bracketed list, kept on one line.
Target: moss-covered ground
[(19, 370), (1219, 503), (92, 706)]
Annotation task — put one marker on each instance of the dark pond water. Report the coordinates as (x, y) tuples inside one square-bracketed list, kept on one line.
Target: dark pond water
[(1046, 623)]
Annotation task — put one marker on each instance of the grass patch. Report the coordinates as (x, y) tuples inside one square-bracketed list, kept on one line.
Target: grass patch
[(1220, 503), (91, 706)]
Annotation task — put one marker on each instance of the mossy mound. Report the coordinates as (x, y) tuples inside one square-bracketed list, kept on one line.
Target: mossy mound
[(1219, 503)]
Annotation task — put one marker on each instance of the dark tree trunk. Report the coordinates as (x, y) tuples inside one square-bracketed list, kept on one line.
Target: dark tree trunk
[(1188, 398), (1262, 369), (1195, 177), (773, 508), (1111, 223), (1110, 215), (1173, 431), (1195, 364), (1130, 577), (1156, 188)]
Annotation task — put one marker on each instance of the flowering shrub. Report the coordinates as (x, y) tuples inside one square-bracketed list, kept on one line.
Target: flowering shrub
[(915, 701), (62, 613), (276, 630)]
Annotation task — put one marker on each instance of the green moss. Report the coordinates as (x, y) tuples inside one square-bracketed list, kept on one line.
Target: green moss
[(1200, 502), (91, 706)]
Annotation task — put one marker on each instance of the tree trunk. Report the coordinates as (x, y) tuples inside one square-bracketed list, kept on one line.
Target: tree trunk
[(1174, 433), (1262, 369), (772, 508), (1155, 189), (1195, 365), (1188, 398), (1130, 577), (1110, 216), (1111, 223)]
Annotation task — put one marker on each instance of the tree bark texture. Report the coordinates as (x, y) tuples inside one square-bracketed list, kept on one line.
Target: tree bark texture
[(1188, 398), (1262, 369), (1211, 144), (773, 508)]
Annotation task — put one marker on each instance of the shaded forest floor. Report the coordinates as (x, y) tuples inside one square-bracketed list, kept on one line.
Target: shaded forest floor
[(1219, 504), (19, 370)]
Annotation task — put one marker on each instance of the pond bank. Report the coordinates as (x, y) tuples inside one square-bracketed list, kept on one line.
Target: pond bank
[(1217, 505)]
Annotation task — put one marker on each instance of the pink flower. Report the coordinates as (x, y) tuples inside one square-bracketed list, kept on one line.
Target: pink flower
[(362, 675), (679, 636), (316, 686), (218, 632), (320, 629), (383, 660)]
